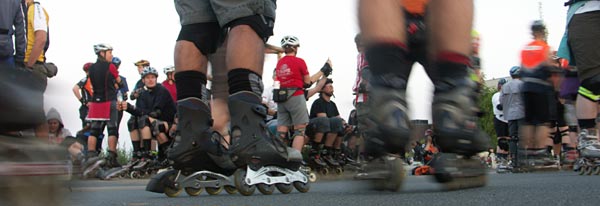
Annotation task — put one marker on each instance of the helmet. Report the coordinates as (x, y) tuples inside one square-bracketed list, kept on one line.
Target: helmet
[(102, 47), (538, 25), (515, 71), (116, 61), (501, 81), (142, 62), (169, 69), (86, 66), (290, 41), (149, 70)]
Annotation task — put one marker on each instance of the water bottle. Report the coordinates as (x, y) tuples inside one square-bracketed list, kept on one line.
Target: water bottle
[(119, 96)]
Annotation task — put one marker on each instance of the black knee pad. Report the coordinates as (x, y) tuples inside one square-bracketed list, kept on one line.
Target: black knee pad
[(143, 121), (113, 129), (262, 25), (572, 128), (320, 124), (590, 88), (503, 144), (206, 36), (96, 128), (132, 124)]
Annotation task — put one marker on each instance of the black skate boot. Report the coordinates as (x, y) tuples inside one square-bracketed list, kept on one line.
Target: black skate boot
[(388, 135), (269, 162), (197, 156), (458, 137)]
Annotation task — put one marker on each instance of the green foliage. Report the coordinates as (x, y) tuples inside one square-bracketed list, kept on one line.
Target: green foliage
[(486, 122)]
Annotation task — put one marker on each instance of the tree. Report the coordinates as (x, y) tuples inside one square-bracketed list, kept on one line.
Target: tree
[(486, 121)]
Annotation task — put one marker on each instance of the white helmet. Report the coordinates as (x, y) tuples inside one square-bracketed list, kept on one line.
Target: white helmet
[(169, 69), (102, 47), (149, 70), (290, 40)]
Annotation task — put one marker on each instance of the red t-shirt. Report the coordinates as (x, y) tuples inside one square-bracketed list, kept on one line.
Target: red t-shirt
[(171, 88), (290, 73)]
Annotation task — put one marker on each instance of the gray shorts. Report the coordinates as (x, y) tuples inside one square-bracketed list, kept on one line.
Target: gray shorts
[(292, 112), (222, 11)]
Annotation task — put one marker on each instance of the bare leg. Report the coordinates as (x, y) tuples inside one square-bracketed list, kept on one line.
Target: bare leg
[(450, 23), (381, 20), (299, 140), (245, 49)]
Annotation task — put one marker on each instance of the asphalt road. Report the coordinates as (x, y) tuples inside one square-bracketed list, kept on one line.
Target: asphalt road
[(549, 188)]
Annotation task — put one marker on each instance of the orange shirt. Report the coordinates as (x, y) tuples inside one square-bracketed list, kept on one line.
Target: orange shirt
[(415, 6), (534, 54)]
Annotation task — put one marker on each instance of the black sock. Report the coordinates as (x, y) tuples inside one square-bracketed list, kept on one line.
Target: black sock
[(244, 80), (147, 144), (190, 84), (587, 123), (136, 146)]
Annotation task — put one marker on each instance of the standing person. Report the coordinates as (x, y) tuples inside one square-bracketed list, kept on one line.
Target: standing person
[(83, 92), (539, 97), (454, 107), (292, 74), (169, 83), (513, 109), (501, 127), (580, 45), (35, 55), (123, 88), (249, 24), (140, 65), (12, 25), (103, 108), (568, 96)]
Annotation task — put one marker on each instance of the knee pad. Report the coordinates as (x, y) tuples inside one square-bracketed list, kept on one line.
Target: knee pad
[(113, 130), (143, 122), (158, 127), (572, 128), (321, 124), (503, 144), (205, 36), (590, 88), (132, 124), (298, 132), (262, 25), (96, 128), (336, 125)]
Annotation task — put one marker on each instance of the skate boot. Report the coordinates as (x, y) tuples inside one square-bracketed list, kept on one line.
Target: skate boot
[(316, 163), (264, 162), (197, 156), (503, 166), (589, 146), (570, 156), (332, 163), (459, 138), (91, 164), (541, 160)]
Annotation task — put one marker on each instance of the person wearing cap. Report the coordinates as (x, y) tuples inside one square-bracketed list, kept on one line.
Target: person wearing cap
[(141, 64), (513, 108), (500, 125)]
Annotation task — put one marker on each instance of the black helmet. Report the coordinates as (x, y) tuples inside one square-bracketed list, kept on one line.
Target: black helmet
[(538, 25)]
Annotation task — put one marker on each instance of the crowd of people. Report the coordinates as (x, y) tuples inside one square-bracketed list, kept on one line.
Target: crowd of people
[(544, 117)]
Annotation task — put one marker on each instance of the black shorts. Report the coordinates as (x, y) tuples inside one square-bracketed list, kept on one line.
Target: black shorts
[(540, 107), (501, 128)]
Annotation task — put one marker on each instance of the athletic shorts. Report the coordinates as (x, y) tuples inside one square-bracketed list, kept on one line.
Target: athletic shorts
[(292, 112), (501, 128), (222, 11), (584, 40), (540, 108)]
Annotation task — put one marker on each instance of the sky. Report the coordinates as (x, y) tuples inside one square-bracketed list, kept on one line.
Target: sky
[(147, 29)]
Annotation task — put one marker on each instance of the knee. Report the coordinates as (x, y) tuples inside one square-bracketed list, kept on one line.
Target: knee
[(336, 125), (321, 124)]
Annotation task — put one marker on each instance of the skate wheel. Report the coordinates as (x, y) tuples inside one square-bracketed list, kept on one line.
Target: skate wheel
[(194, 191), (230, 189), (135, 174), (312, 177), (588, 170), (213, 190), (172, 192), (265, 189), (284, 188), (301, 186), (582, 170), (324, 171), (339, 171), (241, 185), (396, 167), (596, 170)]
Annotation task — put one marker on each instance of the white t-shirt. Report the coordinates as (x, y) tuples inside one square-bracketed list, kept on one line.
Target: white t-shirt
[(495, 102)]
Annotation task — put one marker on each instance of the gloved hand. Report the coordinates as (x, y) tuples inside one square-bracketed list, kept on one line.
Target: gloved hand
[(326, 69)]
